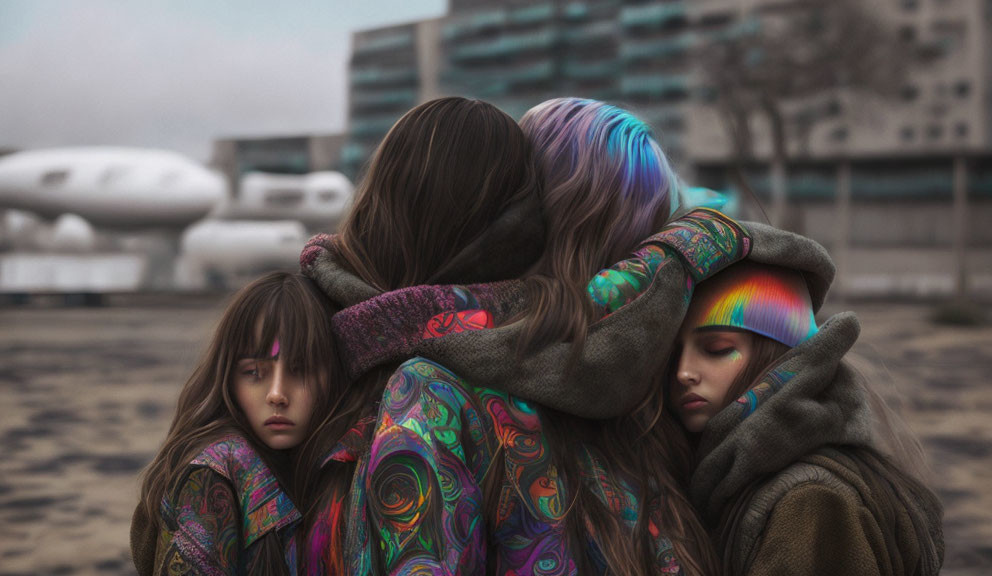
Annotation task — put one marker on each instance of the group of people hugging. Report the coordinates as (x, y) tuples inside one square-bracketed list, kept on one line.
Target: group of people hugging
[(519, 355)]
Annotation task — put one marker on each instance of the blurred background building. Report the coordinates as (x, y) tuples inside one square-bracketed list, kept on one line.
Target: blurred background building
[(885, 153), (392, 70), (867, 126)]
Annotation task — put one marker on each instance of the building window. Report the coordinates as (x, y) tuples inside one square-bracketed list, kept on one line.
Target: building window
[(962, 89), (284, 196), (112, 175), (839, 134), (935, 131), (327, 195), (907, 34), (707, 94), (907, 134), (909, 5), (909, 92), (54, 178), (961, 130)]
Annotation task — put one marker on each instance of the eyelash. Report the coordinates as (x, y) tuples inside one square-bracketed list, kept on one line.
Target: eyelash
[(721, 351), (255, 373)]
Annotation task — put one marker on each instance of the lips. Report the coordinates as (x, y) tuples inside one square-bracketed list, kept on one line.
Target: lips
[(279, 422), (692, 401)]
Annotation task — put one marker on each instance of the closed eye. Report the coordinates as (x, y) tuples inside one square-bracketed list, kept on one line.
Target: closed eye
[(720, 351)]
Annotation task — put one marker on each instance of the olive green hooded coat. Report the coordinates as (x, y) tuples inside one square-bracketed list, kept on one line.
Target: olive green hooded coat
[(787, 477)]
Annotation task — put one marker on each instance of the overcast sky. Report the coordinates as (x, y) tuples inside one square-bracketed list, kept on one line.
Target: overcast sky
[(179, 73)]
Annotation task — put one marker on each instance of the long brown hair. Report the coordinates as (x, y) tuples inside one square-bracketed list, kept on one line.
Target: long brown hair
[(279, 305), (606, 185), (649, 448), (443, 175), (438, 180)]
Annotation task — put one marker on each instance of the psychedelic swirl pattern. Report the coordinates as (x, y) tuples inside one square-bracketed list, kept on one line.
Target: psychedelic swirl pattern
[(200, 529), (620, 497), (325, 544), (423, 497), (227, 501), (530, 518), (769, 385), (436, 437), (433, 446), (467, 315), (706, 240), (623, 282)]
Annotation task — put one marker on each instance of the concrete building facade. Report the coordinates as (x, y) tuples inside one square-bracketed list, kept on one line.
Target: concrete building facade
[(899, 189), (392, 69), (945, 105), (300, 154)]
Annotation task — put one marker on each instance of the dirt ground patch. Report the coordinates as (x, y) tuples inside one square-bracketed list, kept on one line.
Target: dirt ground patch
[(87, 396)]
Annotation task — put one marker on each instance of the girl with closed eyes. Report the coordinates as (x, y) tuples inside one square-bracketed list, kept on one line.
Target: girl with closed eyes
[(789, 471)]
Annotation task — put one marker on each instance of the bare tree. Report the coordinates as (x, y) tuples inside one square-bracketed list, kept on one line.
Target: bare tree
[(789, 62)]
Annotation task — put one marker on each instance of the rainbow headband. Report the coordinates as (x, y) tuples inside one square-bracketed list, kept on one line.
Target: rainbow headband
[(768, 300)]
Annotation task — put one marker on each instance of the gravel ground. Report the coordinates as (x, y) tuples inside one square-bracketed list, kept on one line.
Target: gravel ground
[(88, 393)]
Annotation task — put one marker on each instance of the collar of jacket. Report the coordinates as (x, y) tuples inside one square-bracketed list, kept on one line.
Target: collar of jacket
[(264, 505), (391, 326), (376, 328), (810, 399)]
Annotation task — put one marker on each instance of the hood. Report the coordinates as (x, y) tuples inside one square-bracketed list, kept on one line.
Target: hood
[(376, 328), (505, 251), (622, 354), (810, 399), (788, 250)]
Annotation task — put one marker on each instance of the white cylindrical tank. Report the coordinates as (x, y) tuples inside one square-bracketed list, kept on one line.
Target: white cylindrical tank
[(125, 188), (237, 245), (329, 192), (71, 233), (318, 199)]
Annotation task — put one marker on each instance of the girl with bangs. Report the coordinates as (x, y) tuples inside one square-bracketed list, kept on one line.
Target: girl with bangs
[(484, 456), (799, 466), (219, 496)]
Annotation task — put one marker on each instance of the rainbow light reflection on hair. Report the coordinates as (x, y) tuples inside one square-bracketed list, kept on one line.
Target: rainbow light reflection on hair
[(575, 132), (768, 300)]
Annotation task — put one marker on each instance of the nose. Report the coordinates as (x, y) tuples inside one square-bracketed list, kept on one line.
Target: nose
[(277, 389), (686, 375)]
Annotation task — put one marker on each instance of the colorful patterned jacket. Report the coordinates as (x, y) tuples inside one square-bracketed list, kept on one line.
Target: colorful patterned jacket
[(213, 519), (416, 505)]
